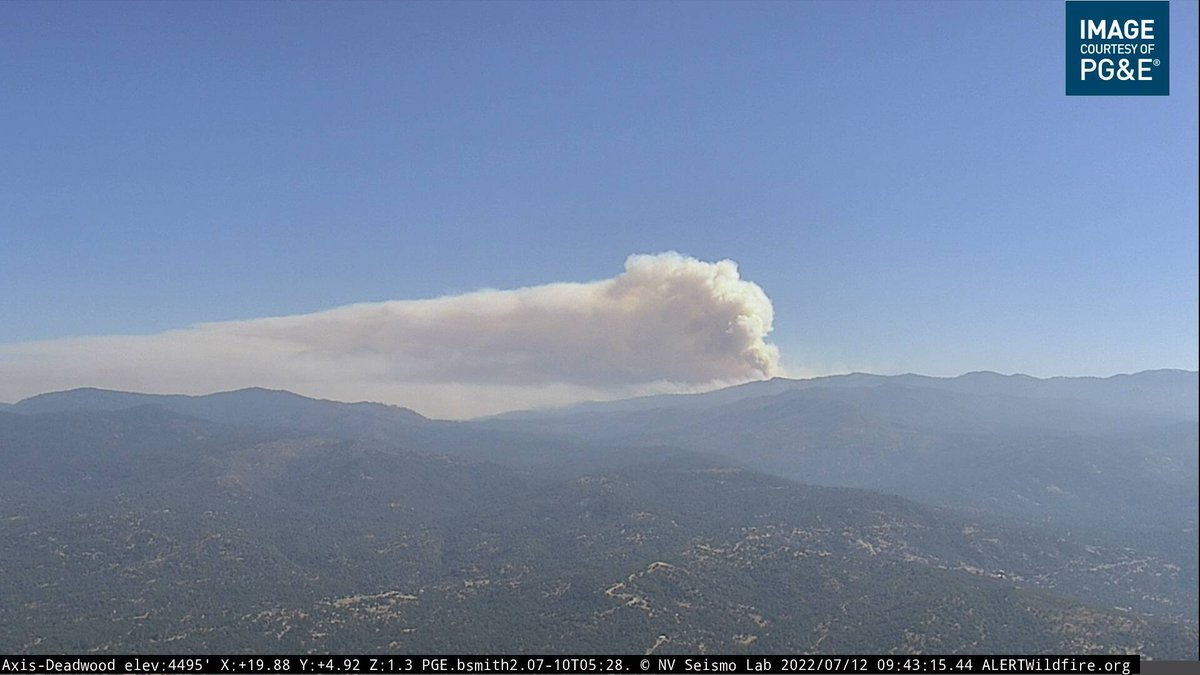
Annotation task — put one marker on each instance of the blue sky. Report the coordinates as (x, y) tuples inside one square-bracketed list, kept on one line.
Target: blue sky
[(906, 181)]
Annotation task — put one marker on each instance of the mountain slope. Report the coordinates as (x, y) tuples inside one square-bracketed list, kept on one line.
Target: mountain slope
[(265, 408), (1149, 395), (1036, 459), (141, 530)]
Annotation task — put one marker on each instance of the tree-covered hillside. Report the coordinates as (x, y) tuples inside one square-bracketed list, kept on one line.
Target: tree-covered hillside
[(142, 530)]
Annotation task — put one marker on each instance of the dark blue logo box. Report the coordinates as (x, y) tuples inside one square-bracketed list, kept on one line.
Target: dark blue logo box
[(1118, 48)]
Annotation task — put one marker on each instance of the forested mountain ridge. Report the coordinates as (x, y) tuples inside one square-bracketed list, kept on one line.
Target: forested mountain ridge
[(1061, 462), (251, 407), (145, 530), (1163, 393)]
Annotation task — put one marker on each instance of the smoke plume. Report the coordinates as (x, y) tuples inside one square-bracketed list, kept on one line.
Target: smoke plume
[(666, 321)]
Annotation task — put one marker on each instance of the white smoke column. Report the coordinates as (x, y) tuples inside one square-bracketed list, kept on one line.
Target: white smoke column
[(666, 318)]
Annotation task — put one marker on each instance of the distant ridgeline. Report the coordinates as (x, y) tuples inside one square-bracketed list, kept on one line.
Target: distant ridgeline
[(853, 514)]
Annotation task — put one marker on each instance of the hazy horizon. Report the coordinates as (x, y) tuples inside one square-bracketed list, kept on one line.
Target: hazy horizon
[(697, 390)]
